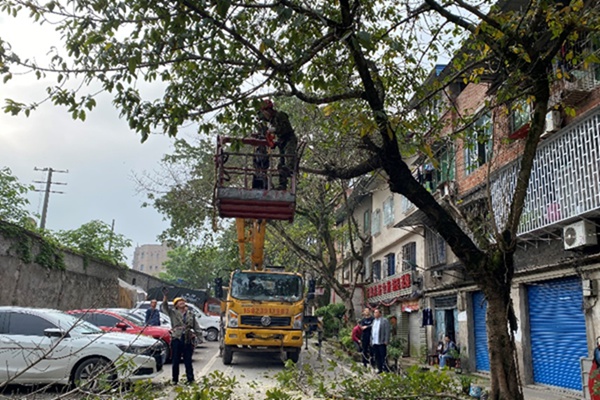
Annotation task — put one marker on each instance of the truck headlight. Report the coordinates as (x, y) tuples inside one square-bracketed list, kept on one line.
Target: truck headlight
[(232, 320), (297, 324)]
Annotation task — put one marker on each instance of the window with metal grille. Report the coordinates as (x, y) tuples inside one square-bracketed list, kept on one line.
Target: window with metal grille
[(435, 248), (390, 260), (479, 143), (409, 256), (377, 270)]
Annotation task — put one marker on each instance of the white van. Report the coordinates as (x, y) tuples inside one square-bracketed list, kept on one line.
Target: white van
[(209, 323)]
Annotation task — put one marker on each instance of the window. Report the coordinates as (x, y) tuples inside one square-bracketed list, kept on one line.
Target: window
[(142, 267), (27, 324), (409, 256), (478, 144), (388, 211), (376, 270), (376, 223), (368, 269), (367, 222), (436, 248), (520, 115), (104, 320), (405, 204), (390, 259), (431, 176)]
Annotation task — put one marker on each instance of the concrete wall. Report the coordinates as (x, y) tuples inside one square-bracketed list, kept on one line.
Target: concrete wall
[(80, 285)]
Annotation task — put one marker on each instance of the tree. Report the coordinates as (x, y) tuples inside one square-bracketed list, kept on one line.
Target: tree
[(363, 60), (96, 239), (197, 266), (13, 202)]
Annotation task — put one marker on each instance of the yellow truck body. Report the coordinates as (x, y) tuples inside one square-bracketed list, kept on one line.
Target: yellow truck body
[(264, 313)]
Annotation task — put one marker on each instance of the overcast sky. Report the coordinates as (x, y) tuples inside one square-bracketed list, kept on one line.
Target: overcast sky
[(101, 154)]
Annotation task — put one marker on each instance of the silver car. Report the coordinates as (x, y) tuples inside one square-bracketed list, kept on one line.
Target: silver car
[(40, 346)]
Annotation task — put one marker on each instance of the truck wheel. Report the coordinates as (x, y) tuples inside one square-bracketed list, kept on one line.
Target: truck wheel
[(227, 355), (294, 356), (212, 335)]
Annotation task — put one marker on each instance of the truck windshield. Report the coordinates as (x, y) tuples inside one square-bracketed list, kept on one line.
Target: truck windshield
[(266, 286)]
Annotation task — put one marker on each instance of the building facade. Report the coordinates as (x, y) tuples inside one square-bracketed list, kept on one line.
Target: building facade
[(150, 258), (413, 275)]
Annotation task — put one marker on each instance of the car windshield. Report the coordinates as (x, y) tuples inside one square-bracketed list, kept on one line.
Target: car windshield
[(74, 324), (266, 286)]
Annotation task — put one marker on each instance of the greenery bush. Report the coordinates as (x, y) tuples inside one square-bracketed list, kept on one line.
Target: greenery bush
[(332, 319)]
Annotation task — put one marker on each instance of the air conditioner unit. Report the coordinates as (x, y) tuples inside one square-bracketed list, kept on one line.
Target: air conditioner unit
[(436, 274), (579, 234), (553, 122)]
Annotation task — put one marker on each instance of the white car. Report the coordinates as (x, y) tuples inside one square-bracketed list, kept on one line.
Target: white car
[(40, 346), (208, 323)]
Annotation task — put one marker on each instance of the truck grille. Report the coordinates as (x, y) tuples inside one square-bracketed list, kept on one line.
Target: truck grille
[(255, 320)]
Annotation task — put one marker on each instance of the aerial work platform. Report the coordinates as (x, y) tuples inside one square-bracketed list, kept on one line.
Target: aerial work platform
[(248, 180)]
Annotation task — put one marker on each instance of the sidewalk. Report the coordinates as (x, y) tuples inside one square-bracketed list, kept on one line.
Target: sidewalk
[(538, 392), (530, 392)]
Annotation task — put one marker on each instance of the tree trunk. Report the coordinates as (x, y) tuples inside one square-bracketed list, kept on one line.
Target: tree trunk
[(505, 380)]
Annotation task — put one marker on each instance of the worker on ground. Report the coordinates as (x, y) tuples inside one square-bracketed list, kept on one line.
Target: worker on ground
[(287, 142), (184, 329)]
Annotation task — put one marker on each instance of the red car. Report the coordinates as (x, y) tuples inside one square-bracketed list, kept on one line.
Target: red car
[(121, 320)]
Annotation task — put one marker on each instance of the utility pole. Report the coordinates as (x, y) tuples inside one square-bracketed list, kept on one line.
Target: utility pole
[(47, 191)]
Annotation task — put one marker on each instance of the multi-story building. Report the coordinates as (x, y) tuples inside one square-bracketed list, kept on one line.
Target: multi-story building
[(554, 290), (150, 258)]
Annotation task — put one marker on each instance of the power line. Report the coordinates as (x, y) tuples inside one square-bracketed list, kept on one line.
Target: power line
[(48, 190)]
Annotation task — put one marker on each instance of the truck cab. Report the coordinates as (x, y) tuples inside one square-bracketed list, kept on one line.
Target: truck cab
[(264, 311)]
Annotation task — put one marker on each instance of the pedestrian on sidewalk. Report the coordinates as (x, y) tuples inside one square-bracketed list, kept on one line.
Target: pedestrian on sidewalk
[(365, 324), (380, 337), (184, 329)]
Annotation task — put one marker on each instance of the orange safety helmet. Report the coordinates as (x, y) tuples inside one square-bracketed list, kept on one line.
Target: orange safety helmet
[(177, 300)]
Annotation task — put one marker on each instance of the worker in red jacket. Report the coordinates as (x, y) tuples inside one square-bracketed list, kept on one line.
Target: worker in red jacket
[(357, 336)]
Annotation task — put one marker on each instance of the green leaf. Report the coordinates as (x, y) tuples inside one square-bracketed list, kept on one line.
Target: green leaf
[(223, 7)]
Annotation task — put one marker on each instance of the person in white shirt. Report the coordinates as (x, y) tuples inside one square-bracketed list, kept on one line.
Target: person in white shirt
[(380, 337)]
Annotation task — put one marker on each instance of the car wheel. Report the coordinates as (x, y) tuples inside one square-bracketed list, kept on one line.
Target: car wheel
[(212, 335), (94, 374), (227, 355), (294, 356)]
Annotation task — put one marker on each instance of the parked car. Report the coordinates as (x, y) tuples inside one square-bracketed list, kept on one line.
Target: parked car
[(121, 320), (209, 323), (41, 346)]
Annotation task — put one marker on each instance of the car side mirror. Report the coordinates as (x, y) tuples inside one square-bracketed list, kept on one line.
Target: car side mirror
[(55, 332), (122, 325)]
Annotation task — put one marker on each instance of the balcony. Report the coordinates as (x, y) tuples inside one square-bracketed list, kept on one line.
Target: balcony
[(565, 180), (580, 84)]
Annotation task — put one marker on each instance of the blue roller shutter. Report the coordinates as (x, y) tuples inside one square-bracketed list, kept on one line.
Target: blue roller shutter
[(482, 357), (558, 335)]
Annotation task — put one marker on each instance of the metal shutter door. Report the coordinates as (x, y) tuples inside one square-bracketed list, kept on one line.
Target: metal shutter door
[(414, 323), (482, 357), (558, 335)]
